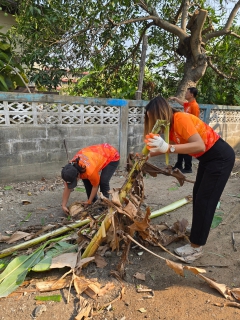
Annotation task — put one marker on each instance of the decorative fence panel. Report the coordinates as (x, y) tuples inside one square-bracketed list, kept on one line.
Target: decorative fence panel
[(34, 126)]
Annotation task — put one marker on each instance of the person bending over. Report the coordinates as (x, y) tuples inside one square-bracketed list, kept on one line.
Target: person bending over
[(190, 135), (87, 165)]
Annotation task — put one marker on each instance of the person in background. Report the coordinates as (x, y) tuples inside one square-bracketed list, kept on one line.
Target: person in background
[(190, 106), (86, 165), (191, 135)]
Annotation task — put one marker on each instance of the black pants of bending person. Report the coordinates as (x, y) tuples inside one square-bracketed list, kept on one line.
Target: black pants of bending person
[(105, 178), (213, 172), (186, 159)]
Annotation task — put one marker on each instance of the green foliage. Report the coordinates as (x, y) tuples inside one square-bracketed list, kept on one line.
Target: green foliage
[(217, 219), (11, 72), (103, 37), (15, 273), (59, 248), (55, 297), (214, 88)]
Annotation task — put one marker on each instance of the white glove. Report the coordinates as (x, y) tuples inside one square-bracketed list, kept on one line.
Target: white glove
[(157, 144)]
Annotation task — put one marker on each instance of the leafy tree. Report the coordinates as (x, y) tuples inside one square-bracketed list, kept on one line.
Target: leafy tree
[(216, 87), (11, 72), (183, 36), (120, 83)]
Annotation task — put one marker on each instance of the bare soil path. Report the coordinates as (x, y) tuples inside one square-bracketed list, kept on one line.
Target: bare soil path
[(175, 297)]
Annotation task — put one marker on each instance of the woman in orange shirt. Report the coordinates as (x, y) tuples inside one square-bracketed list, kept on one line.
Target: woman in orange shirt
[(191, 135), (86, 165)]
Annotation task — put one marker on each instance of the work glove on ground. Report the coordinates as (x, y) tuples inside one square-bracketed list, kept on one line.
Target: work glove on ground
[(157, 144)]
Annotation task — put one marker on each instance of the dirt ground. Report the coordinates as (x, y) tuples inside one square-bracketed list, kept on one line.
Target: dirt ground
[(174, 297)]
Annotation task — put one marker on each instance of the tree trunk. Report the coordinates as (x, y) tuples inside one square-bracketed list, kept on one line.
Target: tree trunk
[(192, 74)]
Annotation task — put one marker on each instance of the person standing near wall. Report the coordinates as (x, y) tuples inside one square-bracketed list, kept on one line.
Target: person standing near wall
[(216, 159), (87, 165), (190, 106)]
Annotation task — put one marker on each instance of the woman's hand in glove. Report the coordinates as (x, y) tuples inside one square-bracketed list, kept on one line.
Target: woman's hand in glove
[(157, 144)]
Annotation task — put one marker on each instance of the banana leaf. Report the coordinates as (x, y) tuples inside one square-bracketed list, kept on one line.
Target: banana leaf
[(15, 273), (59, 248)]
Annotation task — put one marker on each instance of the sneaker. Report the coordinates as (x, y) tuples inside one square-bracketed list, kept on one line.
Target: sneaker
[(188, 230), (186, 170), (188, 250), (193, 257)]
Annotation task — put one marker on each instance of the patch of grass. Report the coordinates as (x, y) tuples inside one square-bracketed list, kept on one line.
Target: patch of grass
[(80, 189), (173, 188), (26, 219), (8, 188)]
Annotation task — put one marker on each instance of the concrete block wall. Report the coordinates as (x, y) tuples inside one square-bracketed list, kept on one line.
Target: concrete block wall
[(30, 151)]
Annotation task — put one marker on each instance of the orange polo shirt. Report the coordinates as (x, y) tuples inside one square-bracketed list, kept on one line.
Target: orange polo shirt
[(95, 158), (186, 125), (192, 107)]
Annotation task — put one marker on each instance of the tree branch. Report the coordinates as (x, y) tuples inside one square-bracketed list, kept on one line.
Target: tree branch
[(220, 73), (226, 29), (160, 23), (195, 25), (185, 8), (178, 14)]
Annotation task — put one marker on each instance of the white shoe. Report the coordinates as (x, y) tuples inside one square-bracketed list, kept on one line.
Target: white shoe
[(188, 250), (193, 257), (188, 229)]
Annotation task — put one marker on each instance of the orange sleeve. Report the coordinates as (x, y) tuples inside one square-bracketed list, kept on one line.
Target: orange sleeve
[(184, 126)]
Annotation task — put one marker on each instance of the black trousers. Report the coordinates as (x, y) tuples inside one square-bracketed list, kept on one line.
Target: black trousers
[(187, 162), (105, 178), (213, 172)]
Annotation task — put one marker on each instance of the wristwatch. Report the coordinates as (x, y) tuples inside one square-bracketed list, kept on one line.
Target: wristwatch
[(172, 148)]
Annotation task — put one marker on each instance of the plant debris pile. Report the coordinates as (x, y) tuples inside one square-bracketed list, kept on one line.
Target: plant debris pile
[(108, 224)]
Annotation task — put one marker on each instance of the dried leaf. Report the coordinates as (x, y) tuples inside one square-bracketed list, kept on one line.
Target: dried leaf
[(177, 267), (143, 224), (102, 249), (84, 261), (140, 276), (75, 208), (65, 260), (53, 285), (222, 288), (100, 261), (194, 269), (4, 238), (80, 283), (17, 236), (180, 226), (115, 197), (92, 290), (105, 289), (130, 209), (236, 293), (85, 309), (25, 202)]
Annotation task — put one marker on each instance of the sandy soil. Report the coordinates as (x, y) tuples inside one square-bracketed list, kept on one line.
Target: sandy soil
[(174, 297)]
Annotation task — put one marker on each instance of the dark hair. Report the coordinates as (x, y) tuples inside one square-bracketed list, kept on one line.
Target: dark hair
[(193, 91), (81, 168), (157, 108)]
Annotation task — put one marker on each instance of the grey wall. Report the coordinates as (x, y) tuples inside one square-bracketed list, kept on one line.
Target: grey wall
[(31, 149), (28, 152)]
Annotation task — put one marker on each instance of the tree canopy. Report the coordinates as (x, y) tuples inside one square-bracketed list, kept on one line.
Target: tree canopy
[(185, 38)]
